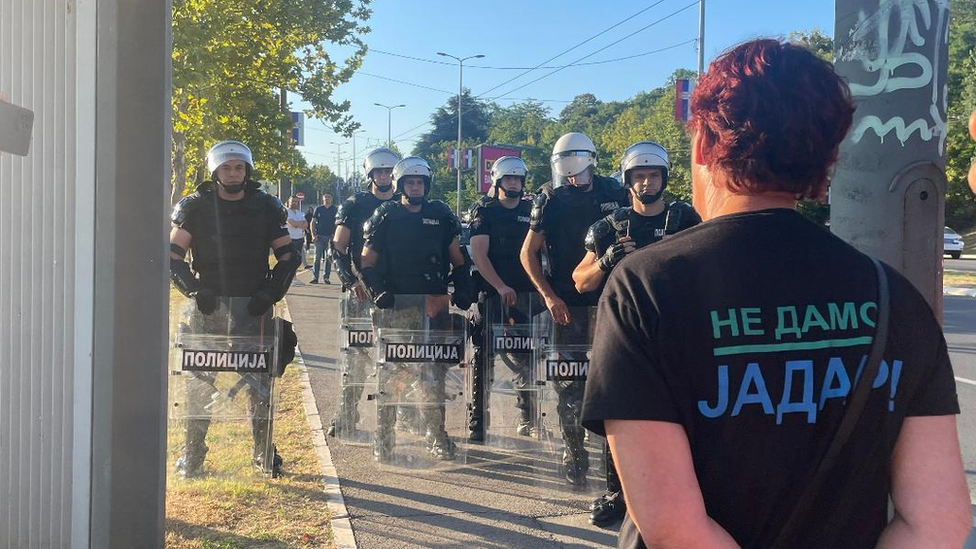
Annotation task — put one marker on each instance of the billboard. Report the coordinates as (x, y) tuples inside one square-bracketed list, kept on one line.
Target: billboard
[(487, 155)]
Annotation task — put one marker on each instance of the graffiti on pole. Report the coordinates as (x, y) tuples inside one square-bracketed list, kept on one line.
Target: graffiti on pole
[(891, 47)]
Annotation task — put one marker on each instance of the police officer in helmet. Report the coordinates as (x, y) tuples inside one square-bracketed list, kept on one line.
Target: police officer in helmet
[(347, 247), (561, 215), (229, 223), (644, 168), (412, 249), (499, 224)]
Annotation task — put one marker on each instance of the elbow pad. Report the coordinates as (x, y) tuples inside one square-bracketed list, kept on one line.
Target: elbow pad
[(343, 266), (183, 279)]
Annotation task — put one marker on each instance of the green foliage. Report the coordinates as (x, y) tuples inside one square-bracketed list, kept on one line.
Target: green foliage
[(231, 58), (960, 203)]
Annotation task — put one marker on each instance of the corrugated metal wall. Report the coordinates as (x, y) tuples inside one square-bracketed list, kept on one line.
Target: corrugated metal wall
[(39, 231)]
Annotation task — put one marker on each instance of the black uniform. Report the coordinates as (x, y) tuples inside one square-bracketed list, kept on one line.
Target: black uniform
[(642, 230), (506, 229), (229, 250), (414, 260), (564, 215), (352, 214)]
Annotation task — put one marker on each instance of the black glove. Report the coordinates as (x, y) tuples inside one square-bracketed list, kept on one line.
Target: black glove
[(206, 301), (384, 300), (462, 299), (259, 304), (377, 288), (612, 256)]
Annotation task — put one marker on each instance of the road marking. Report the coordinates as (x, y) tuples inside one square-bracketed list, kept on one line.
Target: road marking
[(966, 381)]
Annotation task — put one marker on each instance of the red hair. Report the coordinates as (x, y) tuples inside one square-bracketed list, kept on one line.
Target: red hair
[(772, 115)]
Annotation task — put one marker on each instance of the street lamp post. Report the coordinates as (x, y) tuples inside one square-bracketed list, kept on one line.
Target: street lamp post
[(338, 166), (389, 120), (457, 159), (354, 155)]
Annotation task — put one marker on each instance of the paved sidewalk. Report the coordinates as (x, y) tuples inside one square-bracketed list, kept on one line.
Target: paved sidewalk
[(475, 507)]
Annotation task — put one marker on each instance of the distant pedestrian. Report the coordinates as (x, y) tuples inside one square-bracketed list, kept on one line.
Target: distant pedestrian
[(322, 227), (296, 229)]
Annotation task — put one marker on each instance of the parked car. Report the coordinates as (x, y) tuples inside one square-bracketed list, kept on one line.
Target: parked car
[(952, 243)]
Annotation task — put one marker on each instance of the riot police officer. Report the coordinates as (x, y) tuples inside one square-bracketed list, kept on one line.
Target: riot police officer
[(230, 224), (411, 243), (347, 247), (644, 168), (561, 215), (498, 228)]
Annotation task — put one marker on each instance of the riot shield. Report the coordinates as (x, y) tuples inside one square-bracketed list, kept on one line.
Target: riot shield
[(354, 421), (221, 385), (511, 398), (420, 398), (562, 363)]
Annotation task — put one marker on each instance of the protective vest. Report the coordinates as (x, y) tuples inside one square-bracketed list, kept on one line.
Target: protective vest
[(507, 230), (352, 214), (413, 247)]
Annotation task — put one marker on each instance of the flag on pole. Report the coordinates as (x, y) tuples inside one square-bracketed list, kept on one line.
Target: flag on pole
[(683, 88)]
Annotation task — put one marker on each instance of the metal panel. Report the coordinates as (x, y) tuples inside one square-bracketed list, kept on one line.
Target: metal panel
[(41, 236)]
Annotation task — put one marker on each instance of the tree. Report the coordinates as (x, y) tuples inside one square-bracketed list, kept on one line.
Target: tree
[(231, 58), (960, 208), (474, 125), (529, 126)]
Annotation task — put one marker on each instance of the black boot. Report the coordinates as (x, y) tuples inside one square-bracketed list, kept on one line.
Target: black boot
[(576, 458), (608, 509), (384, 440), (190, 462), (526, 426), (441, 446), (261, 464)]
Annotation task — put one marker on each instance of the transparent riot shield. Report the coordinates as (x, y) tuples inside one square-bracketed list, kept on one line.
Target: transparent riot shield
[(420, 398), (562, 363), (511, 397), (354, 421), (222, 392)]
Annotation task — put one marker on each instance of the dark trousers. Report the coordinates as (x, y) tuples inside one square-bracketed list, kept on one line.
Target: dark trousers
[(321, 245), (298, 246)]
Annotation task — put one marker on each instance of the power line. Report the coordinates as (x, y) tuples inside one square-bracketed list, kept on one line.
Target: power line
[(564, 52), (588, 64), (642, 29), (666, 48)]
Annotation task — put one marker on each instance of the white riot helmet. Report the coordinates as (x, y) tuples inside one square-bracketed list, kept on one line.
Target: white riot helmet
[(379, 158), (413, 165), (572, 154), (645, 154), (225, 151), (508, 165)]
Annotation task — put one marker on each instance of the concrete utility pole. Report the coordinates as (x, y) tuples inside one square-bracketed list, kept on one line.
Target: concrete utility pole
[(338, 169), (888, 192), (701, 37), (457, 158)]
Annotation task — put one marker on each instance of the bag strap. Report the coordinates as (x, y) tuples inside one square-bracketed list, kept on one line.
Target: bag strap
[(855, 407)]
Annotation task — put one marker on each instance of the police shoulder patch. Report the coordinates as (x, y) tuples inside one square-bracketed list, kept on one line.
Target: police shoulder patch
[(539, 205), (597, 232)]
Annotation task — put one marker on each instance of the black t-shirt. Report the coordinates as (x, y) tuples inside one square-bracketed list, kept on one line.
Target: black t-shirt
[(413, 247), (748, 331), (325, 220), (353, 213), (506, 229), (564, 215)]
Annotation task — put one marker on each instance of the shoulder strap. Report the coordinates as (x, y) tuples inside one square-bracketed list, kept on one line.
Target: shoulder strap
[(855, 407)]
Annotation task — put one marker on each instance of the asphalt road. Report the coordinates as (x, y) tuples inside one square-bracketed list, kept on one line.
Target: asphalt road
[(960, 332)]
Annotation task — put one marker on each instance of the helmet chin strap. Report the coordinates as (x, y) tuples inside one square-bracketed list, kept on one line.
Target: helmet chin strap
[(416, 200), (233, 189), (511, 194), (384, 188)]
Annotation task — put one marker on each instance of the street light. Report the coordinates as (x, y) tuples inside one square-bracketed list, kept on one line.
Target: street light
[(338, 145), (389, 119), (457, 159)]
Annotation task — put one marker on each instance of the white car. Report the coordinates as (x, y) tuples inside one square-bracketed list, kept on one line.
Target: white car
[(952, 243)]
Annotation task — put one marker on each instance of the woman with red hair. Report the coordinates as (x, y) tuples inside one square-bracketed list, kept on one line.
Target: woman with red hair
[(728, 360)]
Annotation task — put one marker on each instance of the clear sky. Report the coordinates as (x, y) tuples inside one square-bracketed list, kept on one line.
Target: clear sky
[(513, 33)]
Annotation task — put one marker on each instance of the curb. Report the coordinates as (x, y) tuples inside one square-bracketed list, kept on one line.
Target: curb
[(342, 533), (959, 291)]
